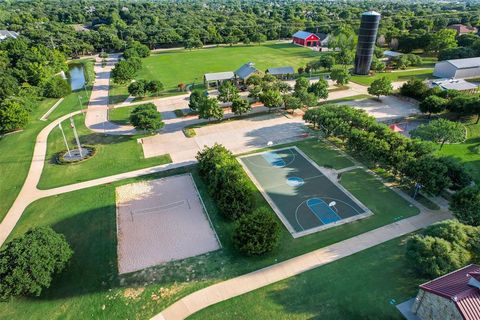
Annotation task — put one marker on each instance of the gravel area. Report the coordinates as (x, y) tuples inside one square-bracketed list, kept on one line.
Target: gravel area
[(159, 221)]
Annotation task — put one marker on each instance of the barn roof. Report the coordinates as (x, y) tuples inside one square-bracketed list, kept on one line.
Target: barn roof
[(455, 84), (245, 71), (462, 287), (281, 70), (219, 76), (303, 34), (465, 63)]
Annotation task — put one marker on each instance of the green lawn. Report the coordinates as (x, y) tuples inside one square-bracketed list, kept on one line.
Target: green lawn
[(87, 218), (114, 154), (189, 66), (469, 151), (360, 286), (120, 115), (16, 150), (393, 76)]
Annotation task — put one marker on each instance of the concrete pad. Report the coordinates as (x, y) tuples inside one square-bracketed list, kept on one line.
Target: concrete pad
[(388, 108), (159, 221)]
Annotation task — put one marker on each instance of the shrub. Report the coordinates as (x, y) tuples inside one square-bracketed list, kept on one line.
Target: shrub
[(465, 205), (13, 116), (459, 177), (56, 88), (256, 233), (146, 117), (28, 263), (414, 88)]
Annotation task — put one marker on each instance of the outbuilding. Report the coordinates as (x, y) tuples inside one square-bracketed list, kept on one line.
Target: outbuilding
[(281, 72), (458, 68), (217, 78), (5, 34), (245, 71), (306, 39), (455, 84)]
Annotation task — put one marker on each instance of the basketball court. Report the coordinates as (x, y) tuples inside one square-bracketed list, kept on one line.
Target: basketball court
[(160, 221), (303, 197)]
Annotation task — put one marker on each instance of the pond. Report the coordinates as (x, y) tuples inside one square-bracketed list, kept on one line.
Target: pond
[(76, 76)]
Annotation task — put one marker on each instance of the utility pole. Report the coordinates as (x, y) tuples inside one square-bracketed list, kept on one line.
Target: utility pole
[(72, 124), (64, 139)]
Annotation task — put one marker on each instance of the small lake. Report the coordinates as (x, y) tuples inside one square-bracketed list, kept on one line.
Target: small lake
[(76, 76)]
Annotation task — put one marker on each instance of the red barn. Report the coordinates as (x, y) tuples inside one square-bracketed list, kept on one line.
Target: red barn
[(306, 39)]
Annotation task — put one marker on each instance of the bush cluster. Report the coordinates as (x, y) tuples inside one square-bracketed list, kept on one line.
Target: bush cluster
[(226, 180), (146, 117), (412, 159), (141, 88), (443, 247)]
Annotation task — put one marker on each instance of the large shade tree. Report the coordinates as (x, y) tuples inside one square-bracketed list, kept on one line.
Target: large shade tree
[(440, 131)]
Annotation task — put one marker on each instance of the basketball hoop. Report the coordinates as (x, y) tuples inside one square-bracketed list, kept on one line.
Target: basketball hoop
[(332, 204), (270, 143)]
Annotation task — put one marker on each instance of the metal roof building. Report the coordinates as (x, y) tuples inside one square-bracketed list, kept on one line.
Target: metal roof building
[(455, 84), (280, 71), (458, 68), (217, 78), (453, 296), (4, 34), (245, 71)]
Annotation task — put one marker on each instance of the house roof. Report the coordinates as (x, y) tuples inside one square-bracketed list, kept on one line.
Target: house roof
[(219, 76), (322, 36), (245, 71), (303, 34), (462, 287), (461, 28), (465, 63), (281, 70), (4, 34)]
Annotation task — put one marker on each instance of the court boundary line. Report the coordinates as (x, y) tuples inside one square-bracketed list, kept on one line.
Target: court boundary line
[(278, 212)]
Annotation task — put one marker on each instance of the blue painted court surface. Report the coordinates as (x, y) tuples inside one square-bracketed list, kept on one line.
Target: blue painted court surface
[(299, 192), (322, 210)]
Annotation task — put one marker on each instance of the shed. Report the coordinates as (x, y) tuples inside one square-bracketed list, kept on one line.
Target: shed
[(458, 68), (391, 54), (4, 34), (217, 78), (281, 72), (306, 39), (455, 84), (246, 71)]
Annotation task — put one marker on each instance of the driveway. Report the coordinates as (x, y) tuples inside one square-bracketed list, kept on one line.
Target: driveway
[(239, 136)]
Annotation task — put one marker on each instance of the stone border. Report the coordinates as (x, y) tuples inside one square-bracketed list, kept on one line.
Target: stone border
[(278, 212)]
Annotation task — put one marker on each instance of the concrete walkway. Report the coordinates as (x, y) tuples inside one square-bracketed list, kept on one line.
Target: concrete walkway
[(97, 111), (234, 287)]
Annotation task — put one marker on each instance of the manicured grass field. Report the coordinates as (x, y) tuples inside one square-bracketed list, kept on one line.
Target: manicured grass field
[(87, 218), (16, 150), (114, 154), (189, 66), (120, 115), (467, 152), (394, 76), (357, 287)]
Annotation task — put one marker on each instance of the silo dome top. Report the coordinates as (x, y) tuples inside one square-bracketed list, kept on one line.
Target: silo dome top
[(371, 13)]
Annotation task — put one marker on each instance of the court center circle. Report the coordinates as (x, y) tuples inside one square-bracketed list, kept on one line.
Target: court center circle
[(295, 181)]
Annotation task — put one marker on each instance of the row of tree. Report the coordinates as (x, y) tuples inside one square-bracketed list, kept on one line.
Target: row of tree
[(256, 231), (411, 159)]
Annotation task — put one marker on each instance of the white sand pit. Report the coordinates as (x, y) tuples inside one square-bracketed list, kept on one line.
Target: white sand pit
[(159, 221)]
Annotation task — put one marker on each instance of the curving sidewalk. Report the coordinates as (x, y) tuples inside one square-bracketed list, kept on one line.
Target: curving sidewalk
[(97, 112), (234, 287)]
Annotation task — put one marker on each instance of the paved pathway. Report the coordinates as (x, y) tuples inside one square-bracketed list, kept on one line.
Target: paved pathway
[(236, 286), (97, 111)]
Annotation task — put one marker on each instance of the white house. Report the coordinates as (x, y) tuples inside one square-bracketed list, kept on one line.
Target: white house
[(458, 68)]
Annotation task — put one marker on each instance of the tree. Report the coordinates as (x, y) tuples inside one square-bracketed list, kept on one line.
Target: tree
[(443, 39), (256, 233), (193, 43), (465, 205), (414, 88), (307, 99), (123, 72), (291, 102), (154, 87), (432, 104), (137, 88), (56, 88), (227, 92), (440, 131), (429, 172), (240, 106), (327, 62), (301, 84), (381, 87), (13, 116), (29, 262), (209, 108), (146, 117), (340, 75), (434, 257), (271, 99), (472, 106), (195, 99), (319, 89), (457, 173)]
